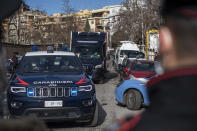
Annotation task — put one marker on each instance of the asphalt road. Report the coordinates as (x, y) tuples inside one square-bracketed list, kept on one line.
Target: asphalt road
[(108, 109)]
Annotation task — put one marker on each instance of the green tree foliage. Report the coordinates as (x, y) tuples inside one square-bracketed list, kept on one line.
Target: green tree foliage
[(87, 26)]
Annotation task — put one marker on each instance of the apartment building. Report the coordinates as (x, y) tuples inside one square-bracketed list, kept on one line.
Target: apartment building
[(32, 26)]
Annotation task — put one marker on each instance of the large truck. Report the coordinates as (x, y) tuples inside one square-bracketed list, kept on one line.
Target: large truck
[(91, 48)]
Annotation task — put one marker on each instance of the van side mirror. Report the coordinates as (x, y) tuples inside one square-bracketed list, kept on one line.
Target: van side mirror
[(126, 69), (121, 67)]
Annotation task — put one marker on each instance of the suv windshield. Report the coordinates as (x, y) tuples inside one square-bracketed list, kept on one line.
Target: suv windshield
[(88, 52), (143, 66), (30, 64)]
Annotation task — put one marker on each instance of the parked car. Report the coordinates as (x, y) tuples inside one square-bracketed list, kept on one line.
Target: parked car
[(138, 68), (132, 92)]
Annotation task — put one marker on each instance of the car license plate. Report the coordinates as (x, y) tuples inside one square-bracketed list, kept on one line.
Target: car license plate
[(53, 104)]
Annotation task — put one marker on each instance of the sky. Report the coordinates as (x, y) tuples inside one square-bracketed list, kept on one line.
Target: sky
[(55, 6)]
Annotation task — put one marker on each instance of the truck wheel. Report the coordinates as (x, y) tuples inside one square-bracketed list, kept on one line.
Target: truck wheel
[(133, 100), (101, 81), (94, 121)]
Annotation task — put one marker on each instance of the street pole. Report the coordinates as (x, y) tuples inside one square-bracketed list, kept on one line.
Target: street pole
[(52, 33), (17, 26), (147, 44)]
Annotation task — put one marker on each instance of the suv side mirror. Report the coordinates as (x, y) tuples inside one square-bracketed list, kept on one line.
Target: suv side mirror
[(88, 69), (89, 73), (89, 76)]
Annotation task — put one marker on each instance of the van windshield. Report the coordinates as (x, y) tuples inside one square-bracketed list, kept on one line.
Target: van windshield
[(130, 53)]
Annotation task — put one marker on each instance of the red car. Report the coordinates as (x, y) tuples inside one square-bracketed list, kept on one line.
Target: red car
[(137, 69)]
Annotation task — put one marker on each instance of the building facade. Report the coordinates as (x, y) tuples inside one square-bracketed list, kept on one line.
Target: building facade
[(35, 27)]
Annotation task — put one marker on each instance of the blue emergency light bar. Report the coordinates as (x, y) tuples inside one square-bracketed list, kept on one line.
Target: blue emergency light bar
[(50, 49), (35, 48)]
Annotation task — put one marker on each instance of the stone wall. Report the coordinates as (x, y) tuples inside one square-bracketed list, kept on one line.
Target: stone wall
[(21, 49)]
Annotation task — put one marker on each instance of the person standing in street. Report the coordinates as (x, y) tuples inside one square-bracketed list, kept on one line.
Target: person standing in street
[(14, 59), (156, 56), (172, 94)]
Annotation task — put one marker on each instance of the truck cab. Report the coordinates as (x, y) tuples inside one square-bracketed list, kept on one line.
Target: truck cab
[(91, 48)]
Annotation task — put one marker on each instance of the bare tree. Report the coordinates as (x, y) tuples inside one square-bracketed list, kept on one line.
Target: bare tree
[(54, 32), (136, 18), (67, 9), (70, 22), (46, 31)]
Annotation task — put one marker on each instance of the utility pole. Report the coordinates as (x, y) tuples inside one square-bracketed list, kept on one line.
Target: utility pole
[(17, 27), (142, 26), (52, 33)]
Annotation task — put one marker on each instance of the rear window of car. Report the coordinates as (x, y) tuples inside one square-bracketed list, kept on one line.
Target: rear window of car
[(142, 66)]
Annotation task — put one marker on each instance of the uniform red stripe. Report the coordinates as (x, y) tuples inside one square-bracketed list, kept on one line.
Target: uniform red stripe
[(127, 126)]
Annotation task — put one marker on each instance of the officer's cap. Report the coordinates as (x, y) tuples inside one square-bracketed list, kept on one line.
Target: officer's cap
[(7, 7), (187, 8)]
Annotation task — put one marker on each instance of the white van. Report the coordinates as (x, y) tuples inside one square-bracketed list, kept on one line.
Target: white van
[(128, 49)]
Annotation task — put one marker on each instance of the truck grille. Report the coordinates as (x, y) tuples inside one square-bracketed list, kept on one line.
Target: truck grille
[(48, 92), (87, 67)]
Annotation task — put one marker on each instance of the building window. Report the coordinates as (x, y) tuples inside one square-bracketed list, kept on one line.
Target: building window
[(92, 22), (64, 19), (31, 17), (92, 30), (52, 20)]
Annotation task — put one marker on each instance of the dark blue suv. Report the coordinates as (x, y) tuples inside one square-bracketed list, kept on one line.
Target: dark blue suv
[(52, 86)]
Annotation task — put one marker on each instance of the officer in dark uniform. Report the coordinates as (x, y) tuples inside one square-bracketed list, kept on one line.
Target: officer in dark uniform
[(15, 59), (173, 94)]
